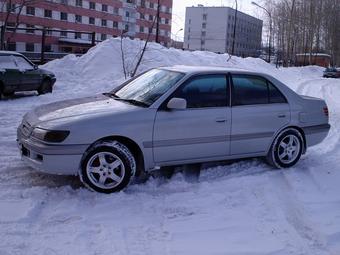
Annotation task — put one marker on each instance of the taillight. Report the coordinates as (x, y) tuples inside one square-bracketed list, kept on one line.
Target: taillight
[(325, 111)]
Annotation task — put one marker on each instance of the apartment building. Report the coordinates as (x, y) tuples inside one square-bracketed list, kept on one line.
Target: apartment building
[(107, 18), (211, 29)]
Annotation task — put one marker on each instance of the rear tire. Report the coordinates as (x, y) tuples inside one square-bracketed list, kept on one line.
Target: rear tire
[(107, 167), (45, 87), (286, 149)]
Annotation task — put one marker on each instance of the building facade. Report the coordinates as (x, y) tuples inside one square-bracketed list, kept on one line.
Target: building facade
[(102, 18), (212, 28)]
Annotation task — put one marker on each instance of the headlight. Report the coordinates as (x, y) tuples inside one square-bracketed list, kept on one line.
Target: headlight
[(52, 136)]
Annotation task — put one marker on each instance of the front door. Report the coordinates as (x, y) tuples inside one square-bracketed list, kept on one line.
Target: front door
[(31, 77), (259, 110), (200, 131), (9, 72)]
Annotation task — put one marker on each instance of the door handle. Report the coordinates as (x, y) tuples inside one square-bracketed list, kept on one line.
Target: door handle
[(281, 115), (220, 120)]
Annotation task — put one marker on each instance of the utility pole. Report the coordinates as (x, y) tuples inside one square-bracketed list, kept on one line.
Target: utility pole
[(157, 21), (234, 34)]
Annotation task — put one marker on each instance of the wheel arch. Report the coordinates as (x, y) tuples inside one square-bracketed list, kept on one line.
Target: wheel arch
[(131, 145), (299, 129)]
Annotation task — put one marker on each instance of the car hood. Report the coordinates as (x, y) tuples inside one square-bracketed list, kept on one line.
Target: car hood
[(78, 108)]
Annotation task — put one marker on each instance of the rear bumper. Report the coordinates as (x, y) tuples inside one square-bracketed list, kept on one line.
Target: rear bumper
[(316, 134), (52, 159)]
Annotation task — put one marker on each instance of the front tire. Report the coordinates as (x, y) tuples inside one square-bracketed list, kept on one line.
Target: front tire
[(107, 167), (45, 87), (286, 149)]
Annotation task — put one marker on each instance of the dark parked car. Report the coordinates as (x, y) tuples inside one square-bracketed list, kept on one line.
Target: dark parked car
[(331, 72), (17, 73)]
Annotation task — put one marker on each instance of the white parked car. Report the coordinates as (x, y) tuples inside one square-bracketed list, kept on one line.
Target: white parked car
[(172, 116)]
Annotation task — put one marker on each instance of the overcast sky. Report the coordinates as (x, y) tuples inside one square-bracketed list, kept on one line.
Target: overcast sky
[(178, 13)]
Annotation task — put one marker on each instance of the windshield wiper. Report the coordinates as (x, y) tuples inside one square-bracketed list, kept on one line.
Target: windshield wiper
[(112, 95), (133, 101)]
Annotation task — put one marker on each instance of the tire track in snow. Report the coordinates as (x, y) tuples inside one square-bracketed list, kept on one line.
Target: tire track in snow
[(312, 241)]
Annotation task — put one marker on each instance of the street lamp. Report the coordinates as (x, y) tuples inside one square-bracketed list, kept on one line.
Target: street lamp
[(175, 37), (270, 28)]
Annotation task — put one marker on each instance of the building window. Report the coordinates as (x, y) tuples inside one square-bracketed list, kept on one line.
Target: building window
[(103, 37), (79, 3), (63, 16), (141, 29), (142, 16), (30, 10), (189, 21), (126, 28), (104, 8), (130, 1), (151, 5), (78, 18), (203, 33), (48, 48), (202, 42), (204, 25), (104, 23), (29, 47), (127, 14), (166, 21), (116, 10), (48, 31), (77, 35), (115, 24), (63, 34), (10, 26), (150, 30), (91, 21), (92, 5), (12, 46), (150, 17), (47, 13), (142, 3), (11, 7), (30, 31), (204, 16)]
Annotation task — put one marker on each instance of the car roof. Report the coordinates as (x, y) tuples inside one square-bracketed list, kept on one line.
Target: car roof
[(3, 52), (203, 69)]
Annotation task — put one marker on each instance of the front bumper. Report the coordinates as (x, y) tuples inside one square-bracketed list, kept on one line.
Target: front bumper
[(51, 158)]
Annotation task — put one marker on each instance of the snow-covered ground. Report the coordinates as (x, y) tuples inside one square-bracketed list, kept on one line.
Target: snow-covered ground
[(233, 209)]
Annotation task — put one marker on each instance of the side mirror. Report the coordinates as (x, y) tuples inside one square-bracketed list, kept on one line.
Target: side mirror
[(176, 103)]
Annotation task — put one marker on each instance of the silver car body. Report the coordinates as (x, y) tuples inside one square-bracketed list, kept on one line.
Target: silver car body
[(169, 137)]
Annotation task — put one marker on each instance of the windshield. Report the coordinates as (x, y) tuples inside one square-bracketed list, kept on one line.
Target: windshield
[(148, 87)]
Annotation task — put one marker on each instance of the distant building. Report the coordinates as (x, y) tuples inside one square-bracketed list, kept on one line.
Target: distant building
[(211, 29), (106, 18), (319, 59)]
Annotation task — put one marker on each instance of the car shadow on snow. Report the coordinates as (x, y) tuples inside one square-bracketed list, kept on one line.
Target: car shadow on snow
[(19, 95)]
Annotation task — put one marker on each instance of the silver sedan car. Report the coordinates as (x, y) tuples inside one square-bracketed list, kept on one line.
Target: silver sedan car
[(172, 116)]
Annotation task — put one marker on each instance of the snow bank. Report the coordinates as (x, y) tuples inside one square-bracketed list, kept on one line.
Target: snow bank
[(103, 63)]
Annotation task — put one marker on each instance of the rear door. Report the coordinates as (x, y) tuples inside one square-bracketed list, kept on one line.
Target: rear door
[(200, 131), (9, 73), (259, 110), (31, 77)]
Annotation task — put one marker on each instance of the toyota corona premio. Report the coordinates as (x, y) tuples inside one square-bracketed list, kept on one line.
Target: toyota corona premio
[(172, 116)]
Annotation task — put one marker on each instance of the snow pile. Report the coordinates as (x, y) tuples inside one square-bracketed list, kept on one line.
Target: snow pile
[(240, 208)]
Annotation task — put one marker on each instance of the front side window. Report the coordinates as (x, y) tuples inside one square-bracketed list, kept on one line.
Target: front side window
[(205, 91), (148, 87), (7, 62), (250, 90), (22, 63)]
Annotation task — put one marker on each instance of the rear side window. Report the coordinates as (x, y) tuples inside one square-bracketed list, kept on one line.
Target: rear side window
[(7, 62), (205, 91), (250, 90)]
